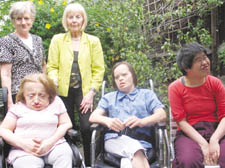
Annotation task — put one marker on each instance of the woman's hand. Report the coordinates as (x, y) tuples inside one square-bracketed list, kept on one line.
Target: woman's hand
[(133, 121), (30, 146), (115, 124), (36, 146), (194, 135), (206, 154), (45, 146), (214, 150), (87, 102)]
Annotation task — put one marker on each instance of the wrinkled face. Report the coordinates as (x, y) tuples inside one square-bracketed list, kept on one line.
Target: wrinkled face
[(23, 23), (35, 96), (200, 66), (124, 79), (74, 21)]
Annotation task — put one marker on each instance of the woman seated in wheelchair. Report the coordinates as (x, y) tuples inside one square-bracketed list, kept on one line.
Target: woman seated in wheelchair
[(35, 126), (126, 109), (197, 101)]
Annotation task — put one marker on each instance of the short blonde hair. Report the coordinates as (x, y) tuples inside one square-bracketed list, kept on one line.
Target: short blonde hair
[(75, 7), (41, 78), (20, 8)]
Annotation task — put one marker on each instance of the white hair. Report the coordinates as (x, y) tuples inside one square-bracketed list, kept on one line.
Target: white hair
[(21, 7), (75, 7)]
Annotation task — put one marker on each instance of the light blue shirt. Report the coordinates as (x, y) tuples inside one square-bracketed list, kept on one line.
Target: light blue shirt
[(140, 103)]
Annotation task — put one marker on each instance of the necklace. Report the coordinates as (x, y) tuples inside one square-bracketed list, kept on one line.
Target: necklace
[(76, 39)]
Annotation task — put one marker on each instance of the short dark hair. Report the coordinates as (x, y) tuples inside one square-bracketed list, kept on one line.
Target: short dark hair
[(131, 69), (186, 55)]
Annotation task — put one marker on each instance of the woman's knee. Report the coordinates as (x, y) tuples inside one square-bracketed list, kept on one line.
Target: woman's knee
[(189, 160), (188, 155), (61, 152), (28, 162), (140, 160)]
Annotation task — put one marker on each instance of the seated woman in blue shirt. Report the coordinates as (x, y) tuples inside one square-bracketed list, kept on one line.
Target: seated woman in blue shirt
[(128, 108)]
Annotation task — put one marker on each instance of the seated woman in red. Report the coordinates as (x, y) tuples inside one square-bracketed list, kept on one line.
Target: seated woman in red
[(197, 101)]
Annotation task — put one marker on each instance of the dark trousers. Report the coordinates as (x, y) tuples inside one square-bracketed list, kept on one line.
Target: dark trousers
[(188, 153), (72, 101)]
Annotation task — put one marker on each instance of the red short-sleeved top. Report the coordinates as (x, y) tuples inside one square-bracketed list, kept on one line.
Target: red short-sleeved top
[(203, 103)]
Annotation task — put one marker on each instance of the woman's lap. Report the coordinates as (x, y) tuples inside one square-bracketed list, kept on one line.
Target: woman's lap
[(188, 153), (123, 146)]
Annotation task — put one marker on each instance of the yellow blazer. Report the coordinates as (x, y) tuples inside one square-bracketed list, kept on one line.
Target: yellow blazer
[(90, 60)]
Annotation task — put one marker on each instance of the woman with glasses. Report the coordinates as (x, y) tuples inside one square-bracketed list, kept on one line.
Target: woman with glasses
[(197, 101), (21, 53)]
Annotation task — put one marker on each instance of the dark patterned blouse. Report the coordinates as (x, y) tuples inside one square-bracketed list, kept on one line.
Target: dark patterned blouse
[(24, 60)]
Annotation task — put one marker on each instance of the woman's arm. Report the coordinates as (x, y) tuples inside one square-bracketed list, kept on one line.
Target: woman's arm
[(6, 80), (219, 132), (158, 115), (98, 116), (97, 64), (63, 126), (214, 146), (219, 92), (192, 133), (97, 70), (7, 127), (6, 132)]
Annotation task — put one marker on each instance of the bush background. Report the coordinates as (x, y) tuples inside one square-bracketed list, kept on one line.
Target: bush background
[(121, 25)]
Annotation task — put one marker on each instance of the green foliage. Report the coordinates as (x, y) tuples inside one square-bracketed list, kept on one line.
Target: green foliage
[(48, 21), (122, 27), (221, 53), (4, 18)]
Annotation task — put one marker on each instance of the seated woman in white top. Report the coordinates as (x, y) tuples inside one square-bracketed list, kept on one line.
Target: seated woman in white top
[(35, 126)]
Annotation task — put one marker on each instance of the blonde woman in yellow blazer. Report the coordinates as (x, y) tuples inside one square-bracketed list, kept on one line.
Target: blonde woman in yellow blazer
[(77, 81)]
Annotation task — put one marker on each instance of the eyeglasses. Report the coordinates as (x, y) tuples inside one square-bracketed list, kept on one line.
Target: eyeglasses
[(20, 19), (200, 59)]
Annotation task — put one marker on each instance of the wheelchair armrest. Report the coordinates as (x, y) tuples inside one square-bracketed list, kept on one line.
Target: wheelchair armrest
[(162, 125), (97, 127), (72, 133), (71, 136), (111, 159)]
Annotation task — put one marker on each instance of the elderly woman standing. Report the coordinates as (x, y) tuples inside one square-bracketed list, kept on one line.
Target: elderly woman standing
[(21, 53), (76, 64), (197, 101)]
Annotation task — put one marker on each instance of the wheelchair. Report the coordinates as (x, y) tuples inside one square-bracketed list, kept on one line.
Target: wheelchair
[(158, 157), (71, 137)]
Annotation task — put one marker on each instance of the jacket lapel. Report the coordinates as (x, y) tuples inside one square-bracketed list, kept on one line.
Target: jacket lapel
[(68, 47)]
